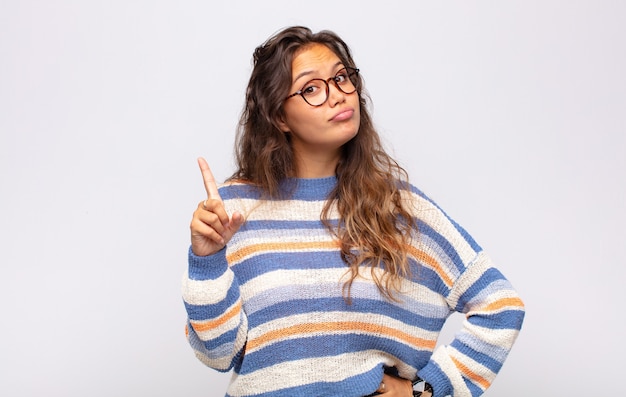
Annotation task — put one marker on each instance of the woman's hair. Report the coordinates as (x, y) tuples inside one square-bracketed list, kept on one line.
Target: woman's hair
[(375, 224)]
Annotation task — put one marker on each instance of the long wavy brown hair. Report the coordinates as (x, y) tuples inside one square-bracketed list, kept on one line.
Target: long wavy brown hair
[(375, 223)]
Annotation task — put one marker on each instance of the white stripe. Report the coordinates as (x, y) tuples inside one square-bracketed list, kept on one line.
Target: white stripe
[(291, 277), (498, 353), (282, 210), (337, 369), (288, 235), (206, 292), (442, 357)]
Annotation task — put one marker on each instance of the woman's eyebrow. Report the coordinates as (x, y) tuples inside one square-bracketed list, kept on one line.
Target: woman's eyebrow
[(309, 72), (302, 75)]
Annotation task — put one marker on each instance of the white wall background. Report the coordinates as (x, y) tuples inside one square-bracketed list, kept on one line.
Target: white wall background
[(510, 114)]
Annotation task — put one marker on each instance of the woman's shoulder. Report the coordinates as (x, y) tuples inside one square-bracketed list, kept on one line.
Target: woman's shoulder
[(433, 219), (417, 198)]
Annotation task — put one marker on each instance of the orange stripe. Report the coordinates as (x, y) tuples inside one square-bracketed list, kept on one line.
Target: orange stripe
[(471, 374), (268, 247), (200, 326), (500, 303), (429, 260), (338, 326)]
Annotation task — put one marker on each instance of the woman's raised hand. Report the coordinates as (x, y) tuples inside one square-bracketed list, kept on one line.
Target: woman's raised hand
[(211, 227)]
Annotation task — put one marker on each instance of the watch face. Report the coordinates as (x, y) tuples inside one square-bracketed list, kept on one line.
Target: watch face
[(419, 386), (422, 388)]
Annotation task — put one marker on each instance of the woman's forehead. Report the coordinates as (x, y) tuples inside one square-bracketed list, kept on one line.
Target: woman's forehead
[(313, 59)]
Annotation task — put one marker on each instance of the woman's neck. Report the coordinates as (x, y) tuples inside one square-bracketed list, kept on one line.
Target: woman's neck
[(318, 166)]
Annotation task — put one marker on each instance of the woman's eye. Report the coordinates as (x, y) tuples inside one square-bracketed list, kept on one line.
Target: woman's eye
[(310, 89), (341, 77)]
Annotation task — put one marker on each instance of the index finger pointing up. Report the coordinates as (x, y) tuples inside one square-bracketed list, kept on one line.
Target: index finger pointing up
[(209, 180)]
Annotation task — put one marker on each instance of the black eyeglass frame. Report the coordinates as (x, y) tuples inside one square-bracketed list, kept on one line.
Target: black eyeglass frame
[(350, 71)]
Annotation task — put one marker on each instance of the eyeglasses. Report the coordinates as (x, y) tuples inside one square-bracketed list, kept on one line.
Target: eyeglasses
[(315, 92)]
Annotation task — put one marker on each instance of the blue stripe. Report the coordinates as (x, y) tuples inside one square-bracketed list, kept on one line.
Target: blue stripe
[(311, 189), (303, 306), (473, 388), (315, 189), (249, 192), (271, 225), (272, 261), (438, 379), (429, 278), (509, 319), (228, 337)]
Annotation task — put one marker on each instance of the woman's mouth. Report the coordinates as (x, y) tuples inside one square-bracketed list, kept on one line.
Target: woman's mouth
[(343, 115)]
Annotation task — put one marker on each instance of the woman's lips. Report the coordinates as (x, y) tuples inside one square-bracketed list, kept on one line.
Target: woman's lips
[(344, 114)]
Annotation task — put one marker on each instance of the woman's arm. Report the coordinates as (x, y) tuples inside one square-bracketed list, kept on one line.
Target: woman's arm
[(216, 326), (470, 284), (494, 314)]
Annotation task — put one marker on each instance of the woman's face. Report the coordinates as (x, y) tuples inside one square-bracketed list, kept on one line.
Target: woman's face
[(318, 133)]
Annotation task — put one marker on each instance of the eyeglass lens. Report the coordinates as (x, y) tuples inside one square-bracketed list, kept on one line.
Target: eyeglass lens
[(315, 92)]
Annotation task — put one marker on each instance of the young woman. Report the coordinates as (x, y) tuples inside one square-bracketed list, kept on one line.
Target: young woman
[(317, 269)]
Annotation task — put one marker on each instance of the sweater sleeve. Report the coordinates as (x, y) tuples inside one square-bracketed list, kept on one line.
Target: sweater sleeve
[(493, 317), (216, 324)]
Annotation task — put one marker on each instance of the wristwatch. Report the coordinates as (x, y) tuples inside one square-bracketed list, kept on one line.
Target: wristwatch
[(421, 388)]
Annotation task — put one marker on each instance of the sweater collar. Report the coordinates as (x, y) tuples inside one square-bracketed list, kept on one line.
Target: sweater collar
[(310, 188)]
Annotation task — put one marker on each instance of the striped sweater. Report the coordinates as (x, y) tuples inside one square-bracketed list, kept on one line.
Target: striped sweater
[(270, 306)]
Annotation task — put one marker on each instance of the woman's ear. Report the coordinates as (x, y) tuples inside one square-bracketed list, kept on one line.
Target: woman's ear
[(282, 125)]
